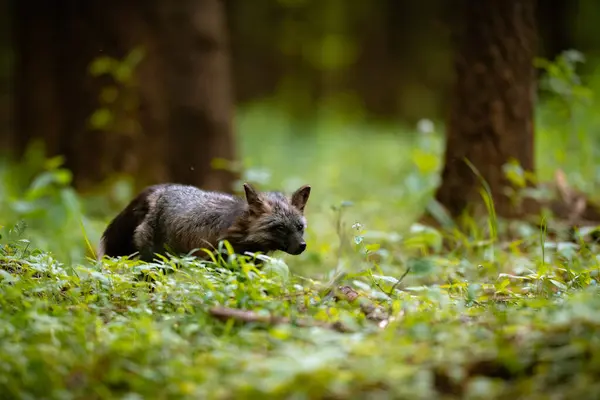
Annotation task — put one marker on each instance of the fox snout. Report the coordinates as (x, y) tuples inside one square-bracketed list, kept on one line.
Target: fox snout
[(296, 248)]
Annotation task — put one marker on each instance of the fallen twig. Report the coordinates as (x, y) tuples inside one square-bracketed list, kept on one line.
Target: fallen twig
[(371, 311)]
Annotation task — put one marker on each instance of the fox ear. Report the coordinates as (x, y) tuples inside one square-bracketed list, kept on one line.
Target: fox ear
[(254, 201), (300, 197)]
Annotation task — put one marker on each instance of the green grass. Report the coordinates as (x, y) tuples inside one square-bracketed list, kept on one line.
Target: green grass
[(458, 323), (439, 314)]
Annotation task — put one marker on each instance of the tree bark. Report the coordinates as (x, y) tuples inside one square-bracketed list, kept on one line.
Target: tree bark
[(173, 111), (195, 49), (491, 115)]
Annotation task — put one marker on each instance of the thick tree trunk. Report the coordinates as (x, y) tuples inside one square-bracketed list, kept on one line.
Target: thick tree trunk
[(172, 113), (491, 118), (195, 50)]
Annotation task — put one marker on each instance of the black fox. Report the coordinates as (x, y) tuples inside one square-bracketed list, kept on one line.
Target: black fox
[(181, 218)]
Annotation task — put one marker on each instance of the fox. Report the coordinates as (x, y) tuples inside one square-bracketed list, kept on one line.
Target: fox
[(184, 219)]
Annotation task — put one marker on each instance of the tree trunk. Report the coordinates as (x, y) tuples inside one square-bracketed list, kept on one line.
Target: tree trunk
[(491, 116), (177, 94), (199, 94)]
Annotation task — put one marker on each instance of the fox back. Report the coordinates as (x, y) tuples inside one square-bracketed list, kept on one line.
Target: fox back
[(183, 218)]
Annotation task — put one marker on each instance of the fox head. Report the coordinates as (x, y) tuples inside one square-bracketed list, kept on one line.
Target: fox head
[(272, 221)]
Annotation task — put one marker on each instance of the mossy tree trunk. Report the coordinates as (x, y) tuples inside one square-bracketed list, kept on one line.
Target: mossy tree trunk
[(491, 113)]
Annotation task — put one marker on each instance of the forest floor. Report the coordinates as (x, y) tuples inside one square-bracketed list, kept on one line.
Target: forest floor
[(379, 306)]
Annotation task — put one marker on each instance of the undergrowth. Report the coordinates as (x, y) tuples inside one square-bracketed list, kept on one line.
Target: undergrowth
[(378, 306), (519, 322)]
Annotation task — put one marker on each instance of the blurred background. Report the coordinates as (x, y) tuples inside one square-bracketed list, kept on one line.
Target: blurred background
[(100, 98)]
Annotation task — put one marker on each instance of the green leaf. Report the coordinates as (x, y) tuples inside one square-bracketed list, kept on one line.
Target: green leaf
[(426, 162), (503, 285), (101, 118), (558, 284), (101, 66), (420, 266), (109, 94)]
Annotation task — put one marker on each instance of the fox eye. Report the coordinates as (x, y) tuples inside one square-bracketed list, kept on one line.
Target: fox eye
[(280, 228), (299, 226)]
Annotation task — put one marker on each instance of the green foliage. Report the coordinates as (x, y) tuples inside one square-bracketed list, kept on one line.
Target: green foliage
[(438, 312), (36, 194), (379, 305), (451, 325), (566, 121), (119, 99), (562, 79)]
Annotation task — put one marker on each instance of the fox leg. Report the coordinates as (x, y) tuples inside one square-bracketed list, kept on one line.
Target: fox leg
[(143, 238)]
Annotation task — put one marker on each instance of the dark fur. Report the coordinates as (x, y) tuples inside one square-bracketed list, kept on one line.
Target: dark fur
[(183, 218), (118, 236)]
